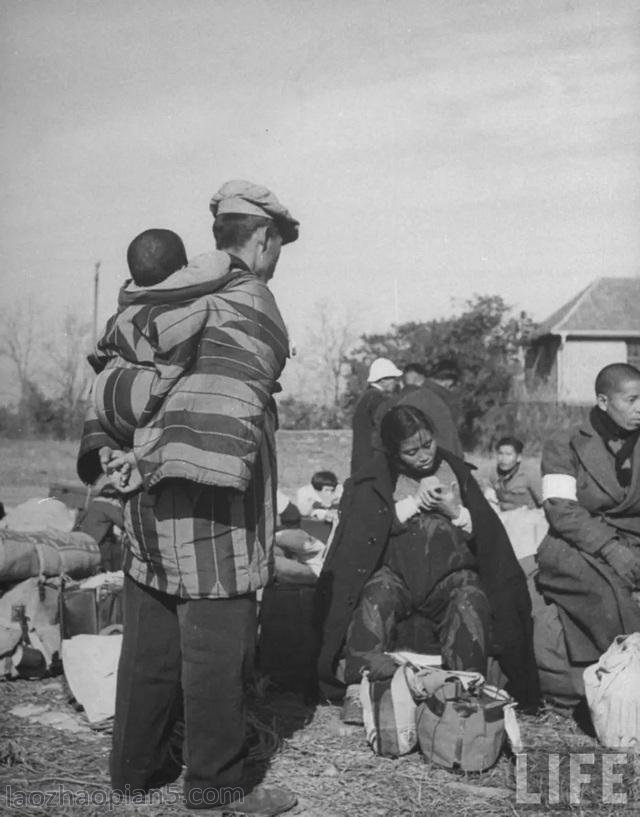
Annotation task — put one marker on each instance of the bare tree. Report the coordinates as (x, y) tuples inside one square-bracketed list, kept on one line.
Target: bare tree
[(330, 340), (19, 341), (69, 372)]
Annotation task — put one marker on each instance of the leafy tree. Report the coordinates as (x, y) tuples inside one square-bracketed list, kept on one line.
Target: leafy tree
[(483, 344)]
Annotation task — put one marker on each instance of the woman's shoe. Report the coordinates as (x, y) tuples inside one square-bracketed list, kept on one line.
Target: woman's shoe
[(351, 706)]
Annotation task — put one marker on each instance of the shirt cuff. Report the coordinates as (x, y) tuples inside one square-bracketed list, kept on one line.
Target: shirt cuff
[(463, 520), (406, 508)]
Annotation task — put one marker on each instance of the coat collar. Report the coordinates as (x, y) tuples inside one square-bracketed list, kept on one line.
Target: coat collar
[(599, 463), (378, 473)]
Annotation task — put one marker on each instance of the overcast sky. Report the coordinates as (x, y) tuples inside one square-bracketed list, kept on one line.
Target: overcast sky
[(443, 148)]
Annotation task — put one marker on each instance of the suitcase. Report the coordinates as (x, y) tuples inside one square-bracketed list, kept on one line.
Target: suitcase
[(287, 642), (90, 611)]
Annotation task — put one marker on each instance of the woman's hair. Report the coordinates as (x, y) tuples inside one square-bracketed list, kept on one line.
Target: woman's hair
[(400, 423)]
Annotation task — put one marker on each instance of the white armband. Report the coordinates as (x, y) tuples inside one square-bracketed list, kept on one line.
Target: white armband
[(406, 508), (463, 520), (559, 486)]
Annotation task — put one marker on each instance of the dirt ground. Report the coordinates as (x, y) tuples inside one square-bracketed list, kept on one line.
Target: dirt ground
[(49, 770)]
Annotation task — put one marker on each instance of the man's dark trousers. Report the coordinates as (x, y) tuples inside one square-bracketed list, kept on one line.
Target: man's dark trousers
[(200, 650)]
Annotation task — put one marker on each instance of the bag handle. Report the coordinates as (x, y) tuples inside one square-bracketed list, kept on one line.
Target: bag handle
[(452, 690)]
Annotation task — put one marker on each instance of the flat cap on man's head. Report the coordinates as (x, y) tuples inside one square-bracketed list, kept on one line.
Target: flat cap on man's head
[(253, 200)]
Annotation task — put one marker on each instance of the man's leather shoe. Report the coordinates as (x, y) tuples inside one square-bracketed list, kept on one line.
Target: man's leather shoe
[(261, 801)]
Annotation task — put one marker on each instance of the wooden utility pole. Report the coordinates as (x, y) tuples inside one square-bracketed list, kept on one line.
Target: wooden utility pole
[(96, 280), (396, 302)]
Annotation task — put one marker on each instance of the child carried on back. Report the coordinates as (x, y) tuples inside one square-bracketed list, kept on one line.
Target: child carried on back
[(157, 395), (123, 390)]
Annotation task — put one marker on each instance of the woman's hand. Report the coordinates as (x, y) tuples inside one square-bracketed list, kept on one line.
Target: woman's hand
[(434, 496), (428, 493), (448, 504)]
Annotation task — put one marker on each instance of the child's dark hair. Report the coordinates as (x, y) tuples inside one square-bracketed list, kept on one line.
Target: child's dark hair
[(324, 479), (400, 423), (514, 442), (153, 255)]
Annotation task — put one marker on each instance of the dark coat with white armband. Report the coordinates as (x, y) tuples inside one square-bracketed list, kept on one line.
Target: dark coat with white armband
[(588, 508)]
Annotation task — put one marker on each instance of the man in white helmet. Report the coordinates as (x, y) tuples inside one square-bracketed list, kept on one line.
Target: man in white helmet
[(383, 381)]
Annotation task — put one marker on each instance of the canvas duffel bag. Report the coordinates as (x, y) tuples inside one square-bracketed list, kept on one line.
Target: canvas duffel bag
[(460, 719)]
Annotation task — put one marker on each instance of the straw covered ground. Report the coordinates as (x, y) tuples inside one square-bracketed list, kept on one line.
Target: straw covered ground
[(45, 770), (48, 770)]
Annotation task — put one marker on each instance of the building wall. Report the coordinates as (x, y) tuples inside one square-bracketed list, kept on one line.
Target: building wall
[(579, 361)]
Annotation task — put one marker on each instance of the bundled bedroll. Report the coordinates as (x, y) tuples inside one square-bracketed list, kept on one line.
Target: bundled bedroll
[(24, 554)]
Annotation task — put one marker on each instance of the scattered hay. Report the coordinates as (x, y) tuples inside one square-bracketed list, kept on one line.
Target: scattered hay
[(299, 745)]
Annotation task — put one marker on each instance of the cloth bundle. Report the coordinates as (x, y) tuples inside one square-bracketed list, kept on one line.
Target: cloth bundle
[(46, 553), (389, 715), (612, 687), (40, 514), (526, 528)]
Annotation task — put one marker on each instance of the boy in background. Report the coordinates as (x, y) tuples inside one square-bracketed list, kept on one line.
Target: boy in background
[(515, 493), (513, 485), (320, 499)]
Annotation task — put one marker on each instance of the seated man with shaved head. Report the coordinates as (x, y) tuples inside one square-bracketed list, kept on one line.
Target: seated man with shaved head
[(590, 560)]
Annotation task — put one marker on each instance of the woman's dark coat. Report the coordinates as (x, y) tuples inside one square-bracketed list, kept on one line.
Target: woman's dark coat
[(358, 549)]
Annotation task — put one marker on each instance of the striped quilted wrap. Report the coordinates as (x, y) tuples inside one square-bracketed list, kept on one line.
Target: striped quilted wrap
[(186, 370)]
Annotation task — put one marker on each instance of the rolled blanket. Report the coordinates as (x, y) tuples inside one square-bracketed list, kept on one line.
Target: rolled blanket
[(26, 554)]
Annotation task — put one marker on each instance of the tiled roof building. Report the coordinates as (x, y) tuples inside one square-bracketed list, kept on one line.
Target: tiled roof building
[(598, 326)]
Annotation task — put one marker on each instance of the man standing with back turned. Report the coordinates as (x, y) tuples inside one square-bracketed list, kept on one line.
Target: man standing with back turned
[(200, 531)]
